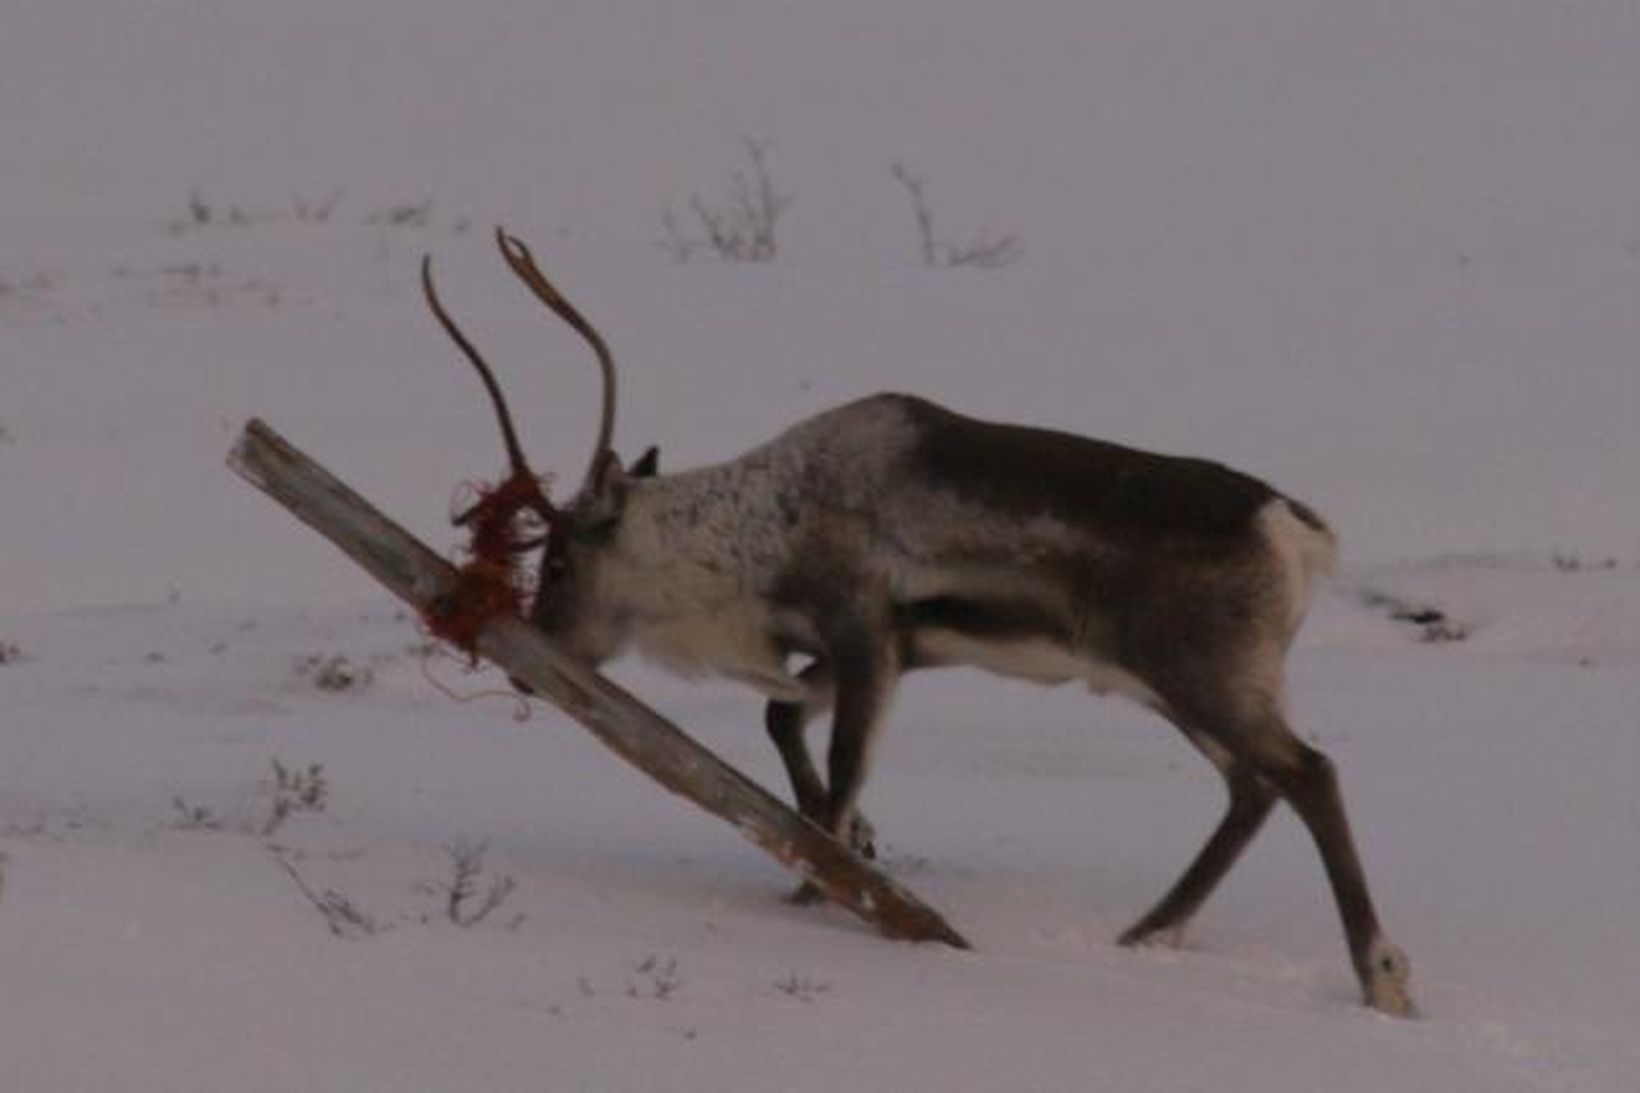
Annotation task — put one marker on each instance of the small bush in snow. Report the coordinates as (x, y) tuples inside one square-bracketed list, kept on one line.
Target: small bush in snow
[(657, 979), (295, 790), (740, 226), (333, 673), (415, 214), (801, 987), (1571, 562), (1434, 625), (468, 900), (310, 211), (194, 817), (982, 252), (343, 917), (201, 213)]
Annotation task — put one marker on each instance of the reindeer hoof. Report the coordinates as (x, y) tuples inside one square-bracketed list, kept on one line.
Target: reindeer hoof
[(1157, 937), (1386, 981), (862, 838), (806, 895)]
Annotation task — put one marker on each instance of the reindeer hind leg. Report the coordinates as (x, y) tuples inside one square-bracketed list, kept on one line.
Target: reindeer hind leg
[(1256, 737), (1308, 781), (1251, 801)]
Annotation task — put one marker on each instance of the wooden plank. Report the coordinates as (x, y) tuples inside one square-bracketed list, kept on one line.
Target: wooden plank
[(636, 733)]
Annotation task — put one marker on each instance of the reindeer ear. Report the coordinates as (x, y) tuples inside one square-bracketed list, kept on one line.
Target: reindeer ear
[(647, 465), (605, 494)]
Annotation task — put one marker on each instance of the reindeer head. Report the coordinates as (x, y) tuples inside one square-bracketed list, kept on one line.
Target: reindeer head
[(575, 602), (570, 597)]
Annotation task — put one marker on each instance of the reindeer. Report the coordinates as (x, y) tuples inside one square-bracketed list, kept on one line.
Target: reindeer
[(890, 534)]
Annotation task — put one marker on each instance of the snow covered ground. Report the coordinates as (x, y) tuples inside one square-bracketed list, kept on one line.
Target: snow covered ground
[(1386, 256)]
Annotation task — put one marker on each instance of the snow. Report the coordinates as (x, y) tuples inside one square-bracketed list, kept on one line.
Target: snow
[(1383, 255)]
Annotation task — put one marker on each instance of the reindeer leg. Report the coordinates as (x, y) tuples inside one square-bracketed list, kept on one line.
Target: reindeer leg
[(1259, 740), (1308, 781), (1233, 713), (1250, 803), (786, 722), (865, 675)]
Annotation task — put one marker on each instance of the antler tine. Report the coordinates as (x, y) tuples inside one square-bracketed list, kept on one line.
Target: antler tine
[(523, 266), (509, 435)]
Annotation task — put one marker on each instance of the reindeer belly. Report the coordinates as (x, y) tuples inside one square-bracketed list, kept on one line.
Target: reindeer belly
[(1016, 639), (1036, 659)]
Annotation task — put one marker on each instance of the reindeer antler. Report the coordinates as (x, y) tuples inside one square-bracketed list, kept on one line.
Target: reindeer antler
[(523, 265), (525, 491)]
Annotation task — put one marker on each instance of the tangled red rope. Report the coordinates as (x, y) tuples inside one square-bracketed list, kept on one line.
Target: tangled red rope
[(492, 581)]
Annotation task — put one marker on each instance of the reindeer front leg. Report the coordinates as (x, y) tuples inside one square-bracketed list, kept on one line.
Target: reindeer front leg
[(786, 723), (869, 680), (864, 675)]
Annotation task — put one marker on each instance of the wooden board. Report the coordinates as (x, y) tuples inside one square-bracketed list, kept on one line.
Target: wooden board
[(636, 733)]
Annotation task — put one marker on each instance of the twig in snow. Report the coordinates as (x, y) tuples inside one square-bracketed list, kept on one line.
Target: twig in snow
[(740, 226), (342, 916), (463, 904), (982, 252)]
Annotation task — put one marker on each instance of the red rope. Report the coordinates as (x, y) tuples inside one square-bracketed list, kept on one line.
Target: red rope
[(492, 581)]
